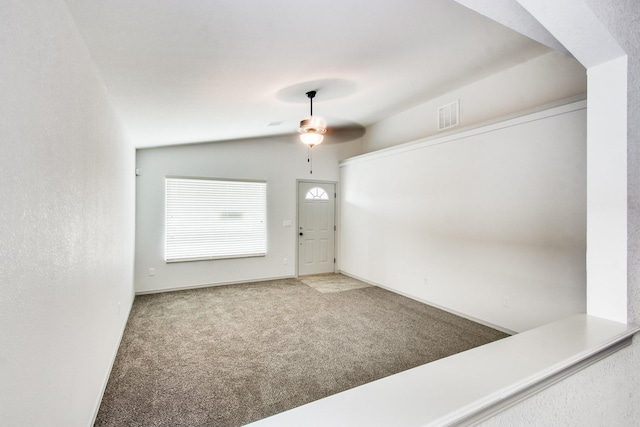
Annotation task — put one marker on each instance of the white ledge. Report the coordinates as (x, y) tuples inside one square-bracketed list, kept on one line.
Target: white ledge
[(461, 133), (468, 386)]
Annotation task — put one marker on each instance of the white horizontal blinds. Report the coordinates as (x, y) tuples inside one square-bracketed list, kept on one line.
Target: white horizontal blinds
[(208, 219)]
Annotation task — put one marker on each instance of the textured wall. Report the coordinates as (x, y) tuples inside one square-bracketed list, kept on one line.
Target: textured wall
[(605, 393), (66, 221)]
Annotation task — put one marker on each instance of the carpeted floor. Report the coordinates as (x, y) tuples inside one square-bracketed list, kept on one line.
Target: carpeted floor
[(230, 355)]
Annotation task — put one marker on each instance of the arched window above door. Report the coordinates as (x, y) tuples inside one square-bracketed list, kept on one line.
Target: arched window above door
[(316, 193)]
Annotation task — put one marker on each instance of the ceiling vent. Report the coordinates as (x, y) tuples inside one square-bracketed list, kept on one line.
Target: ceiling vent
[(448, 115)]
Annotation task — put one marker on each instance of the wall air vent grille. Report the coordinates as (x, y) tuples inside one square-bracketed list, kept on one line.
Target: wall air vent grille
[(448, 115)]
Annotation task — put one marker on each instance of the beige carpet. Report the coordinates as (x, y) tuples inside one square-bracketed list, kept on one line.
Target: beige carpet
[(332, 282), (229, 355)]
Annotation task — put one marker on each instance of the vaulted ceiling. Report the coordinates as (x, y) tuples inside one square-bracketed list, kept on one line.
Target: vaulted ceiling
[(210, 70)]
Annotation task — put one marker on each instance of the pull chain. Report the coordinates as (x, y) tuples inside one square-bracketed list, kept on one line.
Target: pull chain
[(310, 159)]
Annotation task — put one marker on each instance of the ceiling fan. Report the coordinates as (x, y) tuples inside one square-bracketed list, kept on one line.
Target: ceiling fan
[(313, 128)]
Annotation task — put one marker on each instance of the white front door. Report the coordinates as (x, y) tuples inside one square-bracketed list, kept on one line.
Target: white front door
[(316, 227)]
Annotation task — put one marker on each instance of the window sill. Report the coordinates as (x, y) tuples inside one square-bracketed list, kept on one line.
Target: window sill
[(468, 386)]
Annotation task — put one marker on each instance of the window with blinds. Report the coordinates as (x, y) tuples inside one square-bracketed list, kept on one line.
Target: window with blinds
[(211, 219)]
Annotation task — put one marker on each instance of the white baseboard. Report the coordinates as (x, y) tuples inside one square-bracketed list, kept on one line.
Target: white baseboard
[(423, 301), (208, 285)]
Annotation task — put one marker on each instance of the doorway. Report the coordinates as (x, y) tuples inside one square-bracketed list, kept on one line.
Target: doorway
[(316, 227)]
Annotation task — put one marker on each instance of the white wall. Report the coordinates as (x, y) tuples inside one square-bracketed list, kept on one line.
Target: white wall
[(279, 160), (66, 221), (539, 81), (467, 221), (607, 191)]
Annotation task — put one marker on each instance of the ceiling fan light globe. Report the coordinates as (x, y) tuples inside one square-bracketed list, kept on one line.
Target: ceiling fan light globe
[(311, 138)]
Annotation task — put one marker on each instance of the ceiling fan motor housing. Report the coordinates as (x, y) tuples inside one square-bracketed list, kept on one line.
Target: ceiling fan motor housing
[(313, 124)]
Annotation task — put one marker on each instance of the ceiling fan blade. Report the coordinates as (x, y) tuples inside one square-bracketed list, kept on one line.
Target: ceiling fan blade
[(345, 133)]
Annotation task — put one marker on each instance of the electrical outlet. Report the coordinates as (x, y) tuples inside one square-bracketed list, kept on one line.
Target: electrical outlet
[(152, 272), (285, 261), (506, 302)]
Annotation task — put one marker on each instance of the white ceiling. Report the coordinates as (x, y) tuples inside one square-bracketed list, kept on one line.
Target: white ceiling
[(210, 70)]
